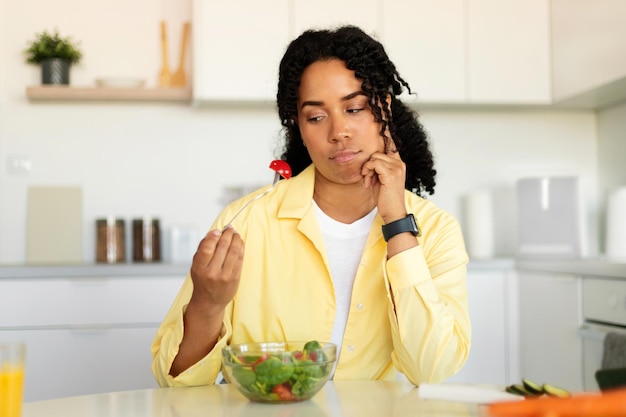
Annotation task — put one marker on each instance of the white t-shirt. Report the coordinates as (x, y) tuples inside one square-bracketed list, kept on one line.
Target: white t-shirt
[(344, 245)]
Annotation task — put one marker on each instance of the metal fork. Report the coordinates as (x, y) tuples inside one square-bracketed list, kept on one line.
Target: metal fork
[(276, 178)]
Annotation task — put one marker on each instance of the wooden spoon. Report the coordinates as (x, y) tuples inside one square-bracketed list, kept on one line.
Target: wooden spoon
[(165, 76), (179, 78)]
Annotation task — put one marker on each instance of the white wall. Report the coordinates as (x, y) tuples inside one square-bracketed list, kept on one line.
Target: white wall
[(612, 154), (173, 160)]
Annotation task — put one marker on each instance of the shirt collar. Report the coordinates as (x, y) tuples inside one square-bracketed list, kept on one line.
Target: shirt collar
[(298, 194)]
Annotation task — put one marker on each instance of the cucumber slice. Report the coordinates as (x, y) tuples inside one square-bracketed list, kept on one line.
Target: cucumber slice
[(555, 391), (520, 390), (512, 390), (532, 387)]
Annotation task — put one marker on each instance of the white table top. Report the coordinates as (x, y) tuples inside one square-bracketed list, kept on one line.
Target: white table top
[(338, 398)]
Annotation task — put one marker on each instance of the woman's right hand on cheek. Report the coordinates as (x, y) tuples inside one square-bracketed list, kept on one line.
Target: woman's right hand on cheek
[(216, 268)]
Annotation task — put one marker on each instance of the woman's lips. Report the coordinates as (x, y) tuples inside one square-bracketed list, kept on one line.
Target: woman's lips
[(344, 156)]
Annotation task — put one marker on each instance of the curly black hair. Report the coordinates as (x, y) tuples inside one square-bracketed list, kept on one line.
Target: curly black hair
[(380, 79)]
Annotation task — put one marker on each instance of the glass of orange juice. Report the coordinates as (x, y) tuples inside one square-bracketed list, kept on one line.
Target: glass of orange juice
[(12, 357)]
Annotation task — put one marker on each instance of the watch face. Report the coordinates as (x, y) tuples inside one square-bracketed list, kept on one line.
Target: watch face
[(407, 224)]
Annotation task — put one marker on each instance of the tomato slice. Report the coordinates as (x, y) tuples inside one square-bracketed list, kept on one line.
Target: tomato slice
[(261, 359), (282, 167), (284, 393)]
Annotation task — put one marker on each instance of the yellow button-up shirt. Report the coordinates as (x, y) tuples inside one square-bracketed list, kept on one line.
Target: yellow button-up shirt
[(408, 313)]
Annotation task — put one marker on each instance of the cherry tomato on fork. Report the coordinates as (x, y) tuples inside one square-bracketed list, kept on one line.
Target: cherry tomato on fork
[(281, 167)]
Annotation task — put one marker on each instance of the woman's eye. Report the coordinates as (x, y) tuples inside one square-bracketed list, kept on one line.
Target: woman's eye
[(315, 119), (355, 110)]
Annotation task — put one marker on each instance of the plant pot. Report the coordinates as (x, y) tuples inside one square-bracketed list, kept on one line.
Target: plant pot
[(55, 71)]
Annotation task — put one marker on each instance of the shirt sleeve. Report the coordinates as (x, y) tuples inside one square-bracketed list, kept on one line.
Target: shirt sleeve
[(170, 335), (428, 311)]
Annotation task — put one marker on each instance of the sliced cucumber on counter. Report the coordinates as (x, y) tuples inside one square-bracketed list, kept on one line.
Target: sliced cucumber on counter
[(530, 389), (519, 389), (555, 391)]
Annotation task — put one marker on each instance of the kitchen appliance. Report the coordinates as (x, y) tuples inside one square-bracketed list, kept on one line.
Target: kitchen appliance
[(604, 313), (550, 217)]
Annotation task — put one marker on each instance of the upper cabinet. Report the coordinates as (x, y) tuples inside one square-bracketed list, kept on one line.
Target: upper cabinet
[(322, 14), (457, 52), (588, 44), (508, 51), (237, 48), (238, 44), (471, 51), (426, 41)]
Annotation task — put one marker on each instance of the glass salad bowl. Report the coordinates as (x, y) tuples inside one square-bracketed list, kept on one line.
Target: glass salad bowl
[(277, 372)]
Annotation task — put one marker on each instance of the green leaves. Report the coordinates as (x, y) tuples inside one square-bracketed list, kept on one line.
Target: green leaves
[(311, 346), (273, 371), (314, 351), (245, 376), (51, 45)]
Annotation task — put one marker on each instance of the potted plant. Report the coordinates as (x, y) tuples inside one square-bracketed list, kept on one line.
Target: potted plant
[(55, 54)]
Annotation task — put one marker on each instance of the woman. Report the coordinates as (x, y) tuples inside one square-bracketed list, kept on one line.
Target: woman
[(334, 253)]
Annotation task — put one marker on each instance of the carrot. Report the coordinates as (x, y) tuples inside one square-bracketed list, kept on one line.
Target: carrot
[(610, 403)]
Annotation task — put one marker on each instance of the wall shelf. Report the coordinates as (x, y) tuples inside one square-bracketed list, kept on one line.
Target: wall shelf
[(67, 93)]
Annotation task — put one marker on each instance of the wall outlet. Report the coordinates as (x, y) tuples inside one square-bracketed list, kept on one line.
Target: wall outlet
[(19, 165)]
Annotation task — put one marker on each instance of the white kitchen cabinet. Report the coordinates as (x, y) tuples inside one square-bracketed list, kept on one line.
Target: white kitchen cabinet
[(85, 335), (426, 41), (64, 362), (492, 307), (550, 316), (323, 14), (450, 51), (508, 45), (237, 46), (588, 44), (471, 51)]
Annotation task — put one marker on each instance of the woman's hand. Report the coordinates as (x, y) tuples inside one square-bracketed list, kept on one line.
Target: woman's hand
[(216, 268), (385, 173), (215, 272)]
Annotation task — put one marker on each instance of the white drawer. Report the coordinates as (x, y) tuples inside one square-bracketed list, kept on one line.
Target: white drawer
[(76, 302), (604, 300)]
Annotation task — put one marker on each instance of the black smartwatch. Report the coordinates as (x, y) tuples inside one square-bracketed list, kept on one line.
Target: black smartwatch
[(407, 224)]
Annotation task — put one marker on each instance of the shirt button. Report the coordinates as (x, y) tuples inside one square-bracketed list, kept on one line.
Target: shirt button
[(362, 262), (359, 306), (351, 348)]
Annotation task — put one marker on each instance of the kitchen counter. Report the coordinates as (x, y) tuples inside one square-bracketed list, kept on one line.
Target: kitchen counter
[(155, 269), (584, 267), (596, 266), (159, 269), (337, 399)]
